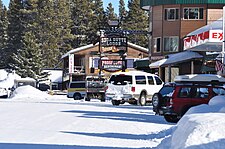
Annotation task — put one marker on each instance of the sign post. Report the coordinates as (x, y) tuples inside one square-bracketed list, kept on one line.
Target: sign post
[(223, 46), (71, 66)]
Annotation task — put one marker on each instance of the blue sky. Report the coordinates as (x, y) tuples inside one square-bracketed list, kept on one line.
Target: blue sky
[(115, 4), (6, 2)]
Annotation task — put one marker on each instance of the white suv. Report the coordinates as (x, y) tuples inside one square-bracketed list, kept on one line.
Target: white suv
[(134, 87)]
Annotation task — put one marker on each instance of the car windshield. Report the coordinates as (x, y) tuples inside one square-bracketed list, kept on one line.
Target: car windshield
[(167, 91), (120, 79)]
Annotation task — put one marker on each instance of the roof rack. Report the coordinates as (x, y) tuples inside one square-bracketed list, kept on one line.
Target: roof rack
[(200, 79)]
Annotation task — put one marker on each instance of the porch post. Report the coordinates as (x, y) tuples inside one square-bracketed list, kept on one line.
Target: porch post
[(192, 67), (169, 73)]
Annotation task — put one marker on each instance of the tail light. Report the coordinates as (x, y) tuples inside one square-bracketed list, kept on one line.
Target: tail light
[(106, 88), (133, 89), (171, 101)]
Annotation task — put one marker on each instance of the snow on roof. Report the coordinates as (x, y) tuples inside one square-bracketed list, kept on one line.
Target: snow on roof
[(176, 58), (132, 72), (199, 78), (216, 25), (54, 75), (7, 79), (91, 45)]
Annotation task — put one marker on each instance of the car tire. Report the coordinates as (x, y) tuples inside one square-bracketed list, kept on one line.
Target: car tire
[(142, 99), (171, 118), (115, 102), (77, 96), (157, 103)]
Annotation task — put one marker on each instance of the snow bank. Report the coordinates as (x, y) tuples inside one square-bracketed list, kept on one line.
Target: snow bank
[(201, 127), (30, 93)]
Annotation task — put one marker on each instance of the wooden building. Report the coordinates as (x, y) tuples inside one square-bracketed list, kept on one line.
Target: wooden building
[(87, 57)]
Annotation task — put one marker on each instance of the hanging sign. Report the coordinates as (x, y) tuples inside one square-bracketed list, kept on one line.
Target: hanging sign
[(113, 44), (71, 63), (112, 65)]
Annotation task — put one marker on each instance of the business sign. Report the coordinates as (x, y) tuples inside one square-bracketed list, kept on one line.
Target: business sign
[(71, 63), (213, 36), (112, 65), (113, 44)]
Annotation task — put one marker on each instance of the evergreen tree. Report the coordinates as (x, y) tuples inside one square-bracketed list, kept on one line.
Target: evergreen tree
[(110, 12), (3, 35), (64, 22), (48, 33), (136, 19), (122, 12), (27, 60), (97, 20), (15, 31), (81, 12)]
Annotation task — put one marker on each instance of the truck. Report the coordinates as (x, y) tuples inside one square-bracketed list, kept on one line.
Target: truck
[(95, 88)]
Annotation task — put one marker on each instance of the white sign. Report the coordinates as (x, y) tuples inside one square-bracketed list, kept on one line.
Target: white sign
[(71, 63), (216, 36)]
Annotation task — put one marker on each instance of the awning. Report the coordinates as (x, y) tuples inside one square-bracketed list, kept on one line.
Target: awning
[(173, 59), (206, 38)]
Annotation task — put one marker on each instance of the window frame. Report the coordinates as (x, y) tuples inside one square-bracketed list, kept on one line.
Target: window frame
[(140, 79), (200, 14), (170, 37), (155, 45), (167, 14)]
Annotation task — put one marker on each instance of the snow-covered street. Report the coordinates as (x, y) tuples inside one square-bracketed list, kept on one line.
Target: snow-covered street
[(64, 123), (32, 119)]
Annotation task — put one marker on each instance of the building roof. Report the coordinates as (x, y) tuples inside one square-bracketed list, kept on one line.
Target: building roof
[(176, 58), (145, 4), (91, 46)]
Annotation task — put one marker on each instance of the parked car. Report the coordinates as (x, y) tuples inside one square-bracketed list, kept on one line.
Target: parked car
[(4, 93), (175, 99), (95, 87), (76, 90), (134, 87)]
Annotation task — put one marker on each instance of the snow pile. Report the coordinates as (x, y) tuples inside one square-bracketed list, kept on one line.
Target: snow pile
[(202, 127), (29, 92)]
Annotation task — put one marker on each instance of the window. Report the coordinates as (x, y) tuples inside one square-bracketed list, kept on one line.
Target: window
[(193, 13), (218, 91), (157, 45), (171, 14), (184, 92), (120, 79), (130, 63), (158, 81), (150, 80), (77, 85), (171, 44), (140, 79)]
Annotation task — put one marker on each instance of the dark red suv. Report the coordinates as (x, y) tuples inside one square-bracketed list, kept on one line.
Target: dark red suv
[(174, 99)]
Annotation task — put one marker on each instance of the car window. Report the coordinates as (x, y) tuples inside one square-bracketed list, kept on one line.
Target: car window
[(202, 92), (77, 85), (158, 81), (150, 80), (185, 92), (140, 79), (194, 92), (120, 79), (218, 91), (167, 91)]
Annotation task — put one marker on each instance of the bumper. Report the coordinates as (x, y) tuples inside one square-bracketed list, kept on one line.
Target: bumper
[(124, 97), (164, 111)]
